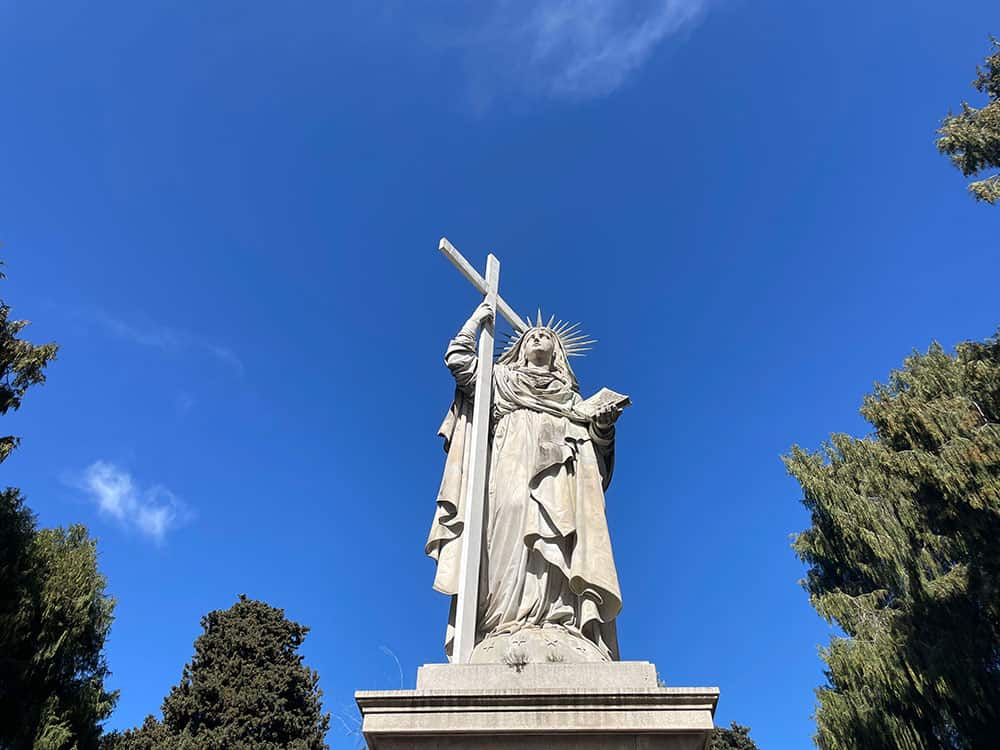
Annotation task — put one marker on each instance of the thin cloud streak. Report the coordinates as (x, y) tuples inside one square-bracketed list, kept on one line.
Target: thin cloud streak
[(167, 339), (184, 402), (572, 49), (152, 511)]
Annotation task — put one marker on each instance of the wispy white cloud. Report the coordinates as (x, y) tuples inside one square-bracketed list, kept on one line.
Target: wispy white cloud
[(167, 339), (152, 511), (571, 49)]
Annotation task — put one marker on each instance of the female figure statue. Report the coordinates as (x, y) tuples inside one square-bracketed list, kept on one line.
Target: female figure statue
[(548, 584)]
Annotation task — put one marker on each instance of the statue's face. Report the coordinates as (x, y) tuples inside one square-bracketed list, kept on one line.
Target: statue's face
[(539, 347)]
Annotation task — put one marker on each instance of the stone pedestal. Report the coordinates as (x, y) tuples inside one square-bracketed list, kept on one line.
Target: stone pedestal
[(590, 706)]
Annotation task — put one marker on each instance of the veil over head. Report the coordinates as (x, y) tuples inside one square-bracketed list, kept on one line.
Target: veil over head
[(515, 358)]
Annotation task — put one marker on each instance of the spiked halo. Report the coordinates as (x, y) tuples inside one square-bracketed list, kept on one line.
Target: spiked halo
[(574, 342)]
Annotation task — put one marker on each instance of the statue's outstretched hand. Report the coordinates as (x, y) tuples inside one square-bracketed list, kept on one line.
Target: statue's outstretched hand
[(479, 316), (606, 416), (482, 314)]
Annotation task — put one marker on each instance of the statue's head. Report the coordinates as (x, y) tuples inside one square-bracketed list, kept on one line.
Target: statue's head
[(539, 347), (546, 345)]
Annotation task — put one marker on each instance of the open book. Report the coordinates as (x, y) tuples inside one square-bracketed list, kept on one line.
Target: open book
[(602, 398)]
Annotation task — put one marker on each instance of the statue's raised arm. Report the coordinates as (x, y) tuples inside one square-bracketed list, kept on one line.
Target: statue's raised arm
[(461, 353)]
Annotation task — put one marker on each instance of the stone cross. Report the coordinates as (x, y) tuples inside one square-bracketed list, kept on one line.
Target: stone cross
[(475, 499)]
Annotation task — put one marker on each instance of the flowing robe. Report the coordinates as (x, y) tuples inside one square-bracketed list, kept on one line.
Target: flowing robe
[(546, 558)]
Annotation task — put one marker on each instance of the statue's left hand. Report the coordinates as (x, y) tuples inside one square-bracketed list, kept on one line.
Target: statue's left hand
[(607, 416)]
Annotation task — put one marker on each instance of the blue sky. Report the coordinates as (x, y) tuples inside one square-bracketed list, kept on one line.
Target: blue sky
[(227, 214)]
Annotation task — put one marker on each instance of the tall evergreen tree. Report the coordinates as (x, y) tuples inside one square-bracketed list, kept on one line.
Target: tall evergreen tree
[(735, 738), (246, 688), (54, 613), (22, 365), (972, 137), (152, 735), (904, 555), (54, 620)]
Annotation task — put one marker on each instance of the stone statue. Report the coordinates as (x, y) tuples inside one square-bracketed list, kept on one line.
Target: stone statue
[(548, 589), (521, 543)]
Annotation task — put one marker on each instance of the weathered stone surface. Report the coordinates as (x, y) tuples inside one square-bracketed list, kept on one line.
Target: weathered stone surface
[(547, 742), (537, 645), (521, 543), (622, 675), (609, 706), (520, 534)]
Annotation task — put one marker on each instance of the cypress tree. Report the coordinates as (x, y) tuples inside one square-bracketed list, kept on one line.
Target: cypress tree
[(903, 555), (735, 738), (22, 365), (54, 620), (246, 688), (972, 137), (54, 612), (152, 735)]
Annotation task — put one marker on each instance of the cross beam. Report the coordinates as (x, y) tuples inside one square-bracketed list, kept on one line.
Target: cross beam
[(452, 254), (467, 608)]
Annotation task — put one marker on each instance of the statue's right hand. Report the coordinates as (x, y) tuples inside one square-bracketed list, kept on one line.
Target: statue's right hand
[(482, 313)]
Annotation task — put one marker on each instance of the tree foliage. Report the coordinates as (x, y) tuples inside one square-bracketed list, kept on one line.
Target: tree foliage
[(904, 555), (152, 735), (972, 137), (54, 613), (54, 619), (246, 687), (22, 365), (735, 738)]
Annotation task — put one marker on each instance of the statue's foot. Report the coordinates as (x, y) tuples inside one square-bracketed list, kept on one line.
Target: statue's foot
[(536, 645)]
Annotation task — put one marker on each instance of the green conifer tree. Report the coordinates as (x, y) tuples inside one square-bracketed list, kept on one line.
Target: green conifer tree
[(735, 738), (54, 620), (904, 556), (152, 735), (972, 137), (54, 613), (246, 688), (22, 365)]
